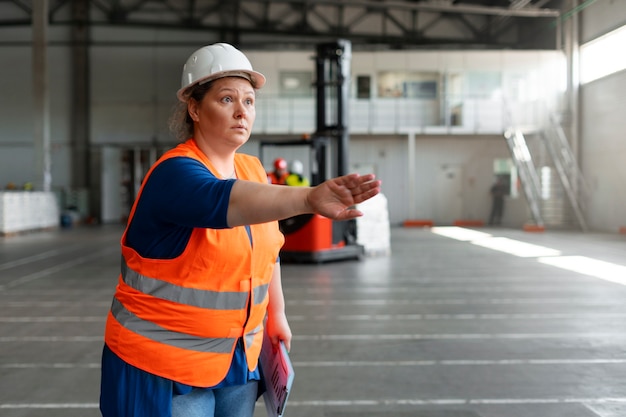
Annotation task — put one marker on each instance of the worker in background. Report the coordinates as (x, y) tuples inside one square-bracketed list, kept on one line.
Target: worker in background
[(280, 174), (296, 177), (498, 191)]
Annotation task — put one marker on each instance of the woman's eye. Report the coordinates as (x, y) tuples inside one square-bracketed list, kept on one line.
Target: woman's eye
[(227, 99), (249, 102)]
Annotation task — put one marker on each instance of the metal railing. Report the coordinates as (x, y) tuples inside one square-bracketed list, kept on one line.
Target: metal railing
[(567, 167), (527, 172)]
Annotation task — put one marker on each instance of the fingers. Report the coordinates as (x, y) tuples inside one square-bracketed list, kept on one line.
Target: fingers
[(274, 339), (362, 187), (337, 197), (348, 214), (354, 180)]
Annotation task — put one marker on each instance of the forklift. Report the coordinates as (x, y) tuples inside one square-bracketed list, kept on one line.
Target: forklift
[(311, 238)]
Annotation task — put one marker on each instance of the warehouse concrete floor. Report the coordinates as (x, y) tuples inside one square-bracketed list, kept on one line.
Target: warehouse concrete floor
[(447, 325)]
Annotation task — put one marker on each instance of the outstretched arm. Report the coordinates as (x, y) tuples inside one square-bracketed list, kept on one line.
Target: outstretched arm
[(252, 203)]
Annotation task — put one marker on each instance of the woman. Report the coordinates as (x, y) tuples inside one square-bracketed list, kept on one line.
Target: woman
[(200, 278)]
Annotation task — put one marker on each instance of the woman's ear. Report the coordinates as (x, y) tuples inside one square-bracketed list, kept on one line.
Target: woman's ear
[(192, 109)]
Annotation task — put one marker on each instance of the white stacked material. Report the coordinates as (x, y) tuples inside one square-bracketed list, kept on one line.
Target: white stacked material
[(27, 210), (373, 230)]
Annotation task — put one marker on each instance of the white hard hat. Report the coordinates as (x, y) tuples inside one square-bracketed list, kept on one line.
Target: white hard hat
[(296, 167), (217, 61)]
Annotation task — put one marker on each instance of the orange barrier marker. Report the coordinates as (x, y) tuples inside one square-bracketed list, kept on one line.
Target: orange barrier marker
[(534, 228), (418, 223)]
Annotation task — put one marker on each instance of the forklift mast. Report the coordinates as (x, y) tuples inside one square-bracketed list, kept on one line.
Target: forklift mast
[(333, 88), (314, 238)]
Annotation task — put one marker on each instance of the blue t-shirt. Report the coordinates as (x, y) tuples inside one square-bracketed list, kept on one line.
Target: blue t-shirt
[(180, 194)]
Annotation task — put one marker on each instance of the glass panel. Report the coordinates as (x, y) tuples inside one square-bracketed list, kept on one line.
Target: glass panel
[(408, 84), (363, 86), (296, 84)]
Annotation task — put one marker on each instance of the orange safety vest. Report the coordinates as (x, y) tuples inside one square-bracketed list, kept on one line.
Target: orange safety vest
[(180, 318), (275, 179)]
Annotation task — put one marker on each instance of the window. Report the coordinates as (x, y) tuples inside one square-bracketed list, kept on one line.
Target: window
[(363, 84), (484, 84), (296, 84), (603, 56), (421, 85)]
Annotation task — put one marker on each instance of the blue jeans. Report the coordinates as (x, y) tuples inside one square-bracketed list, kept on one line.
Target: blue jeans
[(235, 401)]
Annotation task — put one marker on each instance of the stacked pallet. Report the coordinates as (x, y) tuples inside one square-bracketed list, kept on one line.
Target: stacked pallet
[(22, 211), (373, 230)]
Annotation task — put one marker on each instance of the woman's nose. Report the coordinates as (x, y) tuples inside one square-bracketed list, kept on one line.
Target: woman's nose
[(240, 110)]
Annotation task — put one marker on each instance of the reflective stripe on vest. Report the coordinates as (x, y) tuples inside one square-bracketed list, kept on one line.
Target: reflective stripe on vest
[(162, 335), (252, 334), (198, 298)]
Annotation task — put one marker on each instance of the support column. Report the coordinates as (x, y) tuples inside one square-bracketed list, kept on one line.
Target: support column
[(413, 221), (571, 45), (411, 169), (80, 152), (41, 97)]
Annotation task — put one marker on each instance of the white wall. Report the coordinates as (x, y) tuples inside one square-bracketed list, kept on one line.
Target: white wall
[(604, 150), (603, 126), (471, 157), (17, 156), (387, 157), (132, 92)]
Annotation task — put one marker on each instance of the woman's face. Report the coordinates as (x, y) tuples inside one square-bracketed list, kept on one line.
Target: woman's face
[(224, 117)]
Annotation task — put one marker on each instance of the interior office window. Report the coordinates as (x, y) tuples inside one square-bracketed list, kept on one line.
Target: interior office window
[(423, 85), (603, 56), (454, 99), (420, 89), (484, 84), (296, 84), (363, 86)]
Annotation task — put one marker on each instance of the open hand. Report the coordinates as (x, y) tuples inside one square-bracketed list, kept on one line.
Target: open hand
[(335, 198)]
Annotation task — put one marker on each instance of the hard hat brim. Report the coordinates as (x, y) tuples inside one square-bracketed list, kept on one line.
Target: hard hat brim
[(256, 79)]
